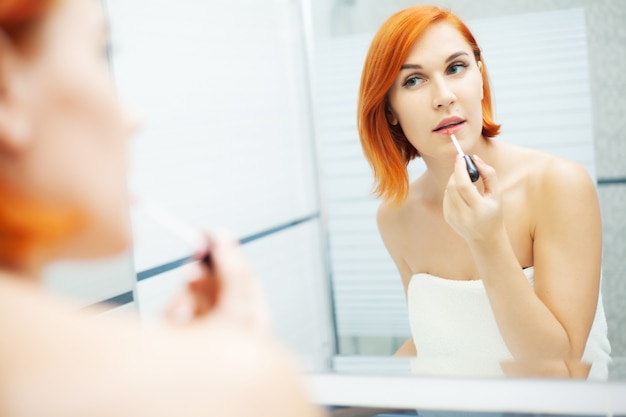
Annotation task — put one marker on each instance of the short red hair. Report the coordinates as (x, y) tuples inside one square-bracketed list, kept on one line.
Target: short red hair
[(385, 146), (26, 224), (18, 17)]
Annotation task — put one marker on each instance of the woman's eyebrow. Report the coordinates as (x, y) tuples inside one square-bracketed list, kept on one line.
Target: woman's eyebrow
[(450, 58), (456, 55)]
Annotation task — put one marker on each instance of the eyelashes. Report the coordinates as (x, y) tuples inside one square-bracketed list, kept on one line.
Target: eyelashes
[(412, 81), (459, 66), (454, 69)]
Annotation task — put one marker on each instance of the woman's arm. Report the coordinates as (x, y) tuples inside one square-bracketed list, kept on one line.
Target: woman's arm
[(568, 250), (553, 320), (407, 349), (392, 236)]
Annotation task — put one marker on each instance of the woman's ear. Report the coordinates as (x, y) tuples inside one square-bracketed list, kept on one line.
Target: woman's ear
[(391, 116), (15, 126)]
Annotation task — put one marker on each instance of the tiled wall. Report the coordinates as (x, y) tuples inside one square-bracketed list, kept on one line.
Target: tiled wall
[(607, 55)]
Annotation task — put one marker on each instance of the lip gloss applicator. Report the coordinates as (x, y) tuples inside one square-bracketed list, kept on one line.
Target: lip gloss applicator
[(199, 242), (469, 163)]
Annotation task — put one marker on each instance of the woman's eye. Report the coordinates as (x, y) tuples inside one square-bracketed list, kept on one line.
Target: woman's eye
[(457, 68), (412, 81)]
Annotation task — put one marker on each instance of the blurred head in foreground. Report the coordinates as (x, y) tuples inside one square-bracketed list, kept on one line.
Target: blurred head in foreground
[(63, 133)]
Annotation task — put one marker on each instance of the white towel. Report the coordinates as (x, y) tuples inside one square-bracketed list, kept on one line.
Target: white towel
[(455, 331)]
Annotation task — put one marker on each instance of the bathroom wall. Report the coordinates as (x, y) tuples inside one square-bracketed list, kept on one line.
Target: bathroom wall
[(227, 143)]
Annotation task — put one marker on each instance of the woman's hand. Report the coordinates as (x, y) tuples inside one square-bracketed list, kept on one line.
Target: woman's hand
[(228, 291), (473, 214)]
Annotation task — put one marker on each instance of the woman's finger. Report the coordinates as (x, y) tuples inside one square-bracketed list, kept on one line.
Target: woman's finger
[(488, 176), (463, 183), (206, 291), (182, 310)]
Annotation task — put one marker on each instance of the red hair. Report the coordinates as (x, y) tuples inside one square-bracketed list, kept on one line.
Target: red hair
[(17, 17), (385, 146), (26, 224)]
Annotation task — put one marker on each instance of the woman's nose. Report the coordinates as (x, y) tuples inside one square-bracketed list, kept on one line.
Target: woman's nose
[(442, 94)]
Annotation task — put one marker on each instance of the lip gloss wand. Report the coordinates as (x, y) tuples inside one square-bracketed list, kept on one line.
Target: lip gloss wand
[(200, 243), (469, 163)]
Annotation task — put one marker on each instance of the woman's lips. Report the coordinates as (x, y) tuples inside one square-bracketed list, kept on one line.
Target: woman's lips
[(450, 129)]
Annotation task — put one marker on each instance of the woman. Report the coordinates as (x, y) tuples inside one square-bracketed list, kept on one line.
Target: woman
[(63, 139), (507, 268)]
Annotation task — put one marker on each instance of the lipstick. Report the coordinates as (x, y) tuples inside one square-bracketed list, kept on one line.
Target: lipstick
[(469, 163)]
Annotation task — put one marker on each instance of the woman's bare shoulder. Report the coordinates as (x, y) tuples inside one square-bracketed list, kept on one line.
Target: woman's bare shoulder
[(390, 215), (561, 187), (553, 175), (552, 186), (542, 169), (121, 369)]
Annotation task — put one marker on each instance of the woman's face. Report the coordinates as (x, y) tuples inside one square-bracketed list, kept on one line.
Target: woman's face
[(440, 83), (70, 147)]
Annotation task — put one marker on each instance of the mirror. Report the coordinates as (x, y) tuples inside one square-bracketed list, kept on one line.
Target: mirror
[(570, 54), (211, 127)]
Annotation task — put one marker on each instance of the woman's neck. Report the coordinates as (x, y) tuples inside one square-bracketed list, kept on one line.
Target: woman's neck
[(438, 172)]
